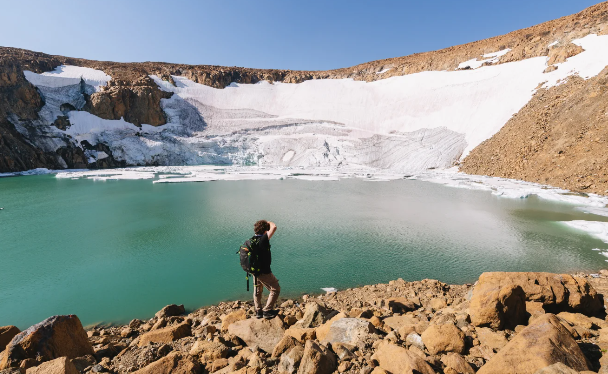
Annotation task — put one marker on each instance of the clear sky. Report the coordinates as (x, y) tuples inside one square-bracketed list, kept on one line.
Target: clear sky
[(283, 34)]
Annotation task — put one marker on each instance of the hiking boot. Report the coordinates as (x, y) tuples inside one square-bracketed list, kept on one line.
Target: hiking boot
[(259, 314), (270, 314)]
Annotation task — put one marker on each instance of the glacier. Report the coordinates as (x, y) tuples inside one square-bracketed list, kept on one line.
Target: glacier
[(401, 124)]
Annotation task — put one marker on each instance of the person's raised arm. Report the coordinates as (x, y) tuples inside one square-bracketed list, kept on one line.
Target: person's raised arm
[(271, 230)]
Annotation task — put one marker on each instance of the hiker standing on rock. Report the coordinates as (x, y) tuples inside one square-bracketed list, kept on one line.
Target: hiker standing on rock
[(263, 277)]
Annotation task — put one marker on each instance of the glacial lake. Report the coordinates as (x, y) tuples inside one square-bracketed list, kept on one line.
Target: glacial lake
[(116, 250)]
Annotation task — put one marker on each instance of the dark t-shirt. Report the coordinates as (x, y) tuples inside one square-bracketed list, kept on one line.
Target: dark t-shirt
[(264, 253)]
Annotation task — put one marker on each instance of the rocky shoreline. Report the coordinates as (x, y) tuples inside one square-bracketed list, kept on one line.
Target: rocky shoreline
[(504, 323)]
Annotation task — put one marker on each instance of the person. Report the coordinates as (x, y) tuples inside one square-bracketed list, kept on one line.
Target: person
[(264, 230)]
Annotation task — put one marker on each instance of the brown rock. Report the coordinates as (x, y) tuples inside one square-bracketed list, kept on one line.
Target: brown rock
[(543, 343), (437, 303), (317, 359), (349, 330), (301, 334), (7, 333), (239, 315), (577, 319), (496, 302), (343, 351), (443, 338), (173, 363), (58, 336), (559, 54), (457, 363), (323, 330), (314, 315), (285, 344), (208, 351), (264, 333), (60, 365), (495, 340), (165, 335), (398, 360), (290, 361), (170, 310), (400, 305), (557, 368), (396, 322)]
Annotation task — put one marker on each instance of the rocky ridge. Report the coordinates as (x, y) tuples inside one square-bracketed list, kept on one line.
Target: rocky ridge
[(506, 322)]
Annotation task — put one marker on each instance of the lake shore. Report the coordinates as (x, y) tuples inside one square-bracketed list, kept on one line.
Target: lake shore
[(425, 325)]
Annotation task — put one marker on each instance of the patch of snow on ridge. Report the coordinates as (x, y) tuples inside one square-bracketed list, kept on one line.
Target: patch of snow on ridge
[(491, 58), (383, 71), (587, 64), (66, 75), (552, 44)]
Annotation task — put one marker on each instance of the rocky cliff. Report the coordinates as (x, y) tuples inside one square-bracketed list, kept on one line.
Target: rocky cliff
[(506, 323), (550, 133)]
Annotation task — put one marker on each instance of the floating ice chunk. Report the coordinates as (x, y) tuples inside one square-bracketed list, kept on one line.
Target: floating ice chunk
[(594, 275), (330, 289), (66, 75)]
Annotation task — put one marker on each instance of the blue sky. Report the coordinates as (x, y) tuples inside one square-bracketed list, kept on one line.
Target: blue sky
[(285, 34)]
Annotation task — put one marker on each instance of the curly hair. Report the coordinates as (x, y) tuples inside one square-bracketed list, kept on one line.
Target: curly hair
[(261, 226)]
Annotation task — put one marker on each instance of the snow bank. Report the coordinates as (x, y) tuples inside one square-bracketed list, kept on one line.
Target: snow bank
[(66, 75), (595, 229)]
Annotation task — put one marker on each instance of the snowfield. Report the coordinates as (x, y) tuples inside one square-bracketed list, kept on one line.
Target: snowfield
[(402, 124)]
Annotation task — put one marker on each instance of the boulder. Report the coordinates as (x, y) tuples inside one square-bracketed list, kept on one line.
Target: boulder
[(314, 315), (343, 351), (264, 333), (7, 333), (58, 336), (400, 305), (396, 322), (496, 297), (495, 340), (173, 363), (457, 364), (398, 360), (208, 351), (437, 303), (577, 319), (239, 315), (301, 334), (544, 342), (290, 361), (317, 359), (285, 344), (415, 340), (60, 365), (443, 338), (349, 331), (557, 368), (170, 311), (322, 330), (166, 334)]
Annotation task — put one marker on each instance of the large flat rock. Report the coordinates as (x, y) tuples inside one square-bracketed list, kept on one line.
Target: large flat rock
[(264, 333)]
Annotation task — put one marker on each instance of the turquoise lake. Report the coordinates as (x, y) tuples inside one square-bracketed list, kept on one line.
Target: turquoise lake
[(116, 250)]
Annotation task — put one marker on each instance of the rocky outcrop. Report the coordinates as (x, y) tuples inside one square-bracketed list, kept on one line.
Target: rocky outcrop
[(263, 333), (444, 338), (317, 359), (174, 363), (7, 333), (499, 298), (350, 331), (166, 334), (399, 360), (58, 336), (545, 342), (559, 138), (60, 365)]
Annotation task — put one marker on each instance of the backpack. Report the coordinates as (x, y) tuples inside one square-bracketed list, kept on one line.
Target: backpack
[(251, 258)]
